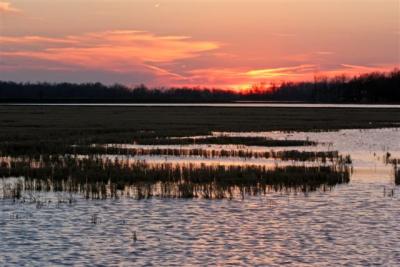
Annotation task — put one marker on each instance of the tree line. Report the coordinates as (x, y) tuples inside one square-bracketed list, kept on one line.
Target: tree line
[(375, 87)]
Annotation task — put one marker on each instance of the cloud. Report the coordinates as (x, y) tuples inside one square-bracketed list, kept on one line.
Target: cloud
[(280, 72), (143, 57), (117, 51), (6, 7), (242, 78), (354, 70), (35, 40), (358, 67), (324, 53)]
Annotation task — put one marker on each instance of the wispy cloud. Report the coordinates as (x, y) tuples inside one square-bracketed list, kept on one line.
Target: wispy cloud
[(122, 51), (281, 72), (353, 69), (36, 40), (143, 57), (324, 53), (6, 7), (241, 78), (359, 67)]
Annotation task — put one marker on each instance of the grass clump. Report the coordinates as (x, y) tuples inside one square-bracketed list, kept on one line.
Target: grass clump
[(97, 178)]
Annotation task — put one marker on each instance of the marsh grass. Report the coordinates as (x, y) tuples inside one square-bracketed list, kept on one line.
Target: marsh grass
[(297, 155), (388, 159), (39, 151), (12, 190), (96, 178), (224, 140), (34, 148)]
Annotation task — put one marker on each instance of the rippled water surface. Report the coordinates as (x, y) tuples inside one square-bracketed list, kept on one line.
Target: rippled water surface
[(354, 224)]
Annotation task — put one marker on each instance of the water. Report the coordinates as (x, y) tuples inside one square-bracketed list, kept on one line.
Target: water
[(235, 105), (367, 148), (354, 224)]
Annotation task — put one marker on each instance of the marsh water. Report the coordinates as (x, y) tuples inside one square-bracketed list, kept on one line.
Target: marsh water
[(355, 223)]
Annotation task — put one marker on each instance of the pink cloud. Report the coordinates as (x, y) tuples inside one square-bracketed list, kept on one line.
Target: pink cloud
[(281, 72), (354, 70), (245, 78), (160, 59), (121, 51), (6, 7)]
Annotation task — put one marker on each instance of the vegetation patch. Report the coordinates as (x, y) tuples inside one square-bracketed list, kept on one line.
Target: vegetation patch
[(97, 178), (225, 140)]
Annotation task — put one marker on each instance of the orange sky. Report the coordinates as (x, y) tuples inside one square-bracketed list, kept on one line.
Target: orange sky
[(205, 43)]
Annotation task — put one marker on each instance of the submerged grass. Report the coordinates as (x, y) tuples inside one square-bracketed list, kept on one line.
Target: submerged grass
[(388, 159), (225, 140), (29, 148), (210, 153), (99, 179)]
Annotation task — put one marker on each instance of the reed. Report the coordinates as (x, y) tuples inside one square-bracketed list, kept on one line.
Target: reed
[(37, 149), (97, 178), (225, 140), (395, 162), (12, 190), (323, 156)]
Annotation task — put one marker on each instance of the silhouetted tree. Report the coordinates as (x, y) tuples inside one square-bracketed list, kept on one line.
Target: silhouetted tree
[(376, 87)]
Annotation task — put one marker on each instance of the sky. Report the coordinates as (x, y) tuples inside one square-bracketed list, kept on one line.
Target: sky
[(202, 43)]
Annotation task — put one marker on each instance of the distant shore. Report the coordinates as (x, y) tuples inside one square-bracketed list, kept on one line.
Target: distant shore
[(241, 104)]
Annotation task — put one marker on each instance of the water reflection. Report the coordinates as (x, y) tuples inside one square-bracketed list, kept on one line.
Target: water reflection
[(353, 223), (367, 147)]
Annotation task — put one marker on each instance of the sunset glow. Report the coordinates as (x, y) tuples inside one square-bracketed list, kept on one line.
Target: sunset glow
[(224, 44)]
